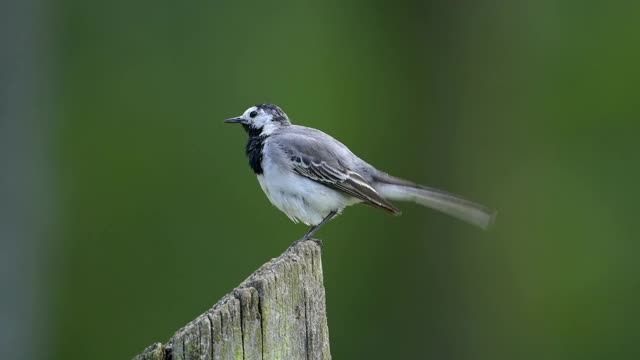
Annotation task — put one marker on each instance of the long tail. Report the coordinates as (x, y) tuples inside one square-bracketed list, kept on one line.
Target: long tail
[(393, 188)]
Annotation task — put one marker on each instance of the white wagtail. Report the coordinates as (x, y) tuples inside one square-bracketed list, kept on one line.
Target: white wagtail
[(312, 177)]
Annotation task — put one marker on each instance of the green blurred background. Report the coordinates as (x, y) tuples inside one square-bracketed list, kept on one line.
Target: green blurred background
[(529, 107)]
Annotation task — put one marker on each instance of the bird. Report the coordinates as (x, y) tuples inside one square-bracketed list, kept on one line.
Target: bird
[(312, 177)]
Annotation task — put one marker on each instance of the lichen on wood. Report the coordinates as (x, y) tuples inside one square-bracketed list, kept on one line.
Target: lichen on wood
[(279, 312)]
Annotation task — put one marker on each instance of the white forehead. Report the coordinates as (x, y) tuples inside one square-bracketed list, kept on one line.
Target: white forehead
[(249, 110)]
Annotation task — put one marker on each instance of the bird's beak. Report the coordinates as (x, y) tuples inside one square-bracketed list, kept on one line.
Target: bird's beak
[(236, 120)]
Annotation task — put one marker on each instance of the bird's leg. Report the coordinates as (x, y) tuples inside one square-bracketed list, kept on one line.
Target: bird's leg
[(315, 228)]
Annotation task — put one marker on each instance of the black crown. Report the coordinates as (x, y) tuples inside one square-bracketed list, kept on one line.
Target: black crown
[(275, 111)]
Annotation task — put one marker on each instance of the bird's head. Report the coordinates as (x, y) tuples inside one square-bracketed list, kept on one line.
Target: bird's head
[(261, 119)]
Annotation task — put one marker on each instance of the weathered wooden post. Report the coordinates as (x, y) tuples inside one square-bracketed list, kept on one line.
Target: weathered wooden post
[(279, 312)]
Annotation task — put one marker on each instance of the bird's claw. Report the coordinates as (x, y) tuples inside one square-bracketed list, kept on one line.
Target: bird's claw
[(317, 241)]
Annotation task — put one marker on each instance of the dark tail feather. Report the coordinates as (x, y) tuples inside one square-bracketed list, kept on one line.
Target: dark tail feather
[(393, 188)]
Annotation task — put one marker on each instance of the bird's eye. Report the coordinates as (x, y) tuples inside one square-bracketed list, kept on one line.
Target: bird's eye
[(253, 114)]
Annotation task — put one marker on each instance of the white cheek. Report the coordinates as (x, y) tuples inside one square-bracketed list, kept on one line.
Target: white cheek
[(268, 128), (259, 122)]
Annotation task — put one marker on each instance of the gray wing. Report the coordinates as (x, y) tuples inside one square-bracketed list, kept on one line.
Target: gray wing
[(321, 158)]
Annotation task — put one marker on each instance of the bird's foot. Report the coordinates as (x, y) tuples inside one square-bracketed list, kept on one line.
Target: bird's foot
[(317, 241)]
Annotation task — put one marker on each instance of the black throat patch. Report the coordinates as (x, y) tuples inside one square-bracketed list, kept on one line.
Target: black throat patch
[(254, 148)]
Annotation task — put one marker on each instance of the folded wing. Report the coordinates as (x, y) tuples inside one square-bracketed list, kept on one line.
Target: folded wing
[(343, 180), (325, 165)]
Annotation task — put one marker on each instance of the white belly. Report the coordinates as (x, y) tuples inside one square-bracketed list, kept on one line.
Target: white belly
[(299, 198)]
